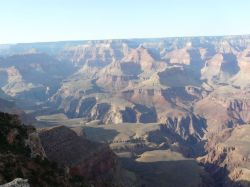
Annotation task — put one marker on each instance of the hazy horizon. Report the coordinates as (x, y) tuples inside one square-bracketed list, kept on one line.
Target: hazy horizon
[(145, 38)]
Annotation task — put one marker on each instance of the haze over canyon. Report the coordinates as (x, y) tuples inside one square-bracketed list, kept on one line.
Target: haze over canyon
[(161, 112)]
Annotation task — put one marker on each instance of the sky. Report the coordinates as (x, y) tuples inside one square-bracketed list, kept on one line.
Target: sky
[(24, 21)]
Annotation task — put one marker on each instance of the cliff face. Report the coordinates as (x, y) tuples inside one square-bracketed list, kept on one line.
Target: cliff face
[(228, 157), (91, 160)]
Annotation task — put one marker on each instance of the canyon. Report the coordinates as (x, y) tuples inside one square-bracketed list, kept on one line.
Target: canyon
[(135, 111)]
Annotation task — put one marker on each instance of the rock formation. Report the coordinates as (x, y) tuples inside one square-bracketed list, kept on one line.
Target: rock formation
[(227, 158), (179, 93)]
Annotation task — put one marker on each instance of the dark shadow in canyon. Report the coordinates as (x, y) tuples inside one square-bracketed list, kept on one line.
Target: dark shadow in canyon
[(220, 176), (164, 173), (179, 173)]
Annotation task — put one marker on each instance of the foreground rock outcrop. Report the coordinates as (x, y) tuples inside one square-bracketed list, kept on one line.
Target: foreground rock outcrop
[(18, 182)]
